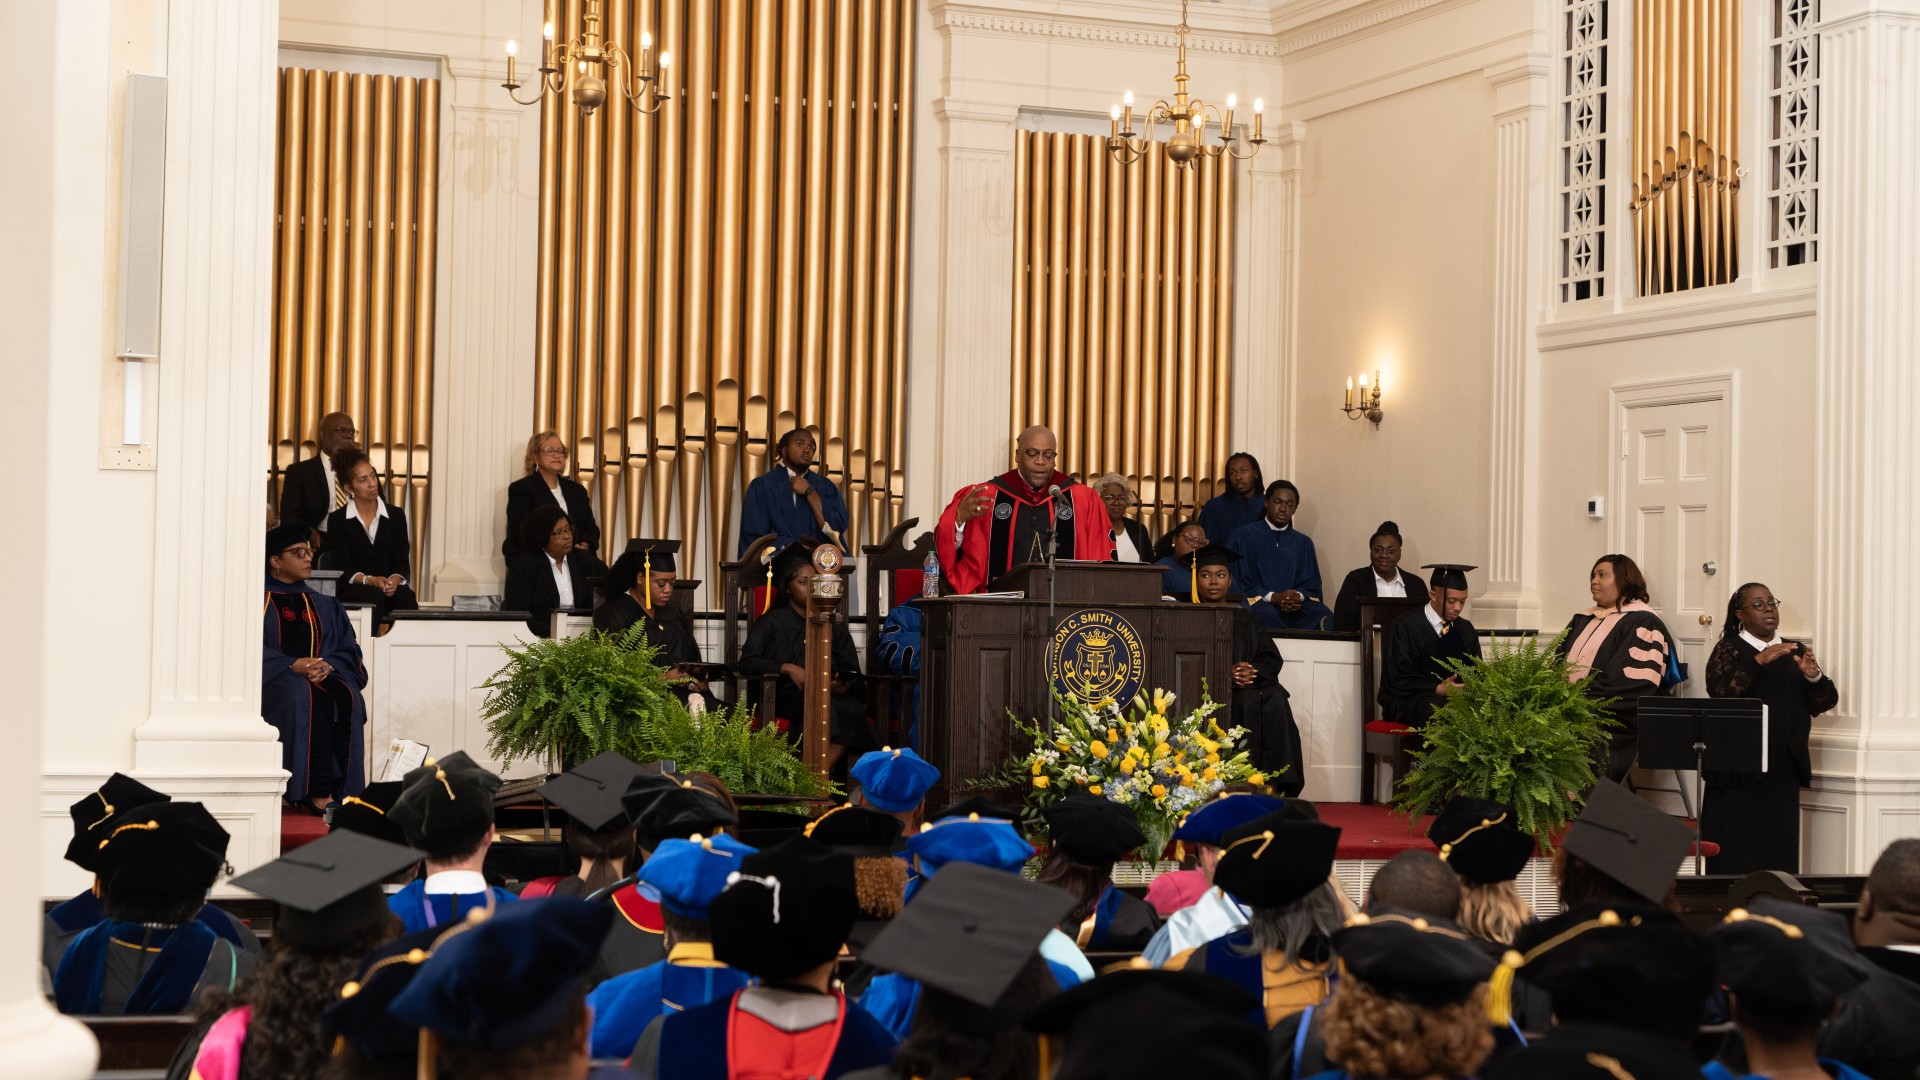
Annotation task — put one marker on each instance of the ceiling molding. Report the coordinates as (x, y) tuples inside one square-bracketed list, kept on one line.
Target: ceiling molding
[(1256, 43), (1320, 23)]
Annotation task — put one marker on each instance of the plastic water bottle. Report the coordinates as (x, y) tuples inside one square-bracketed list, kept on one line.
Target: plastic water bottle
[(930, 575)]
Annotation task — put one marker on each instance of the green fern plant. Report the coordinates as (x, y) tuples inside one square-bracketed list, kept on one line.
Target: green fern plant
[(1515, 731), (567, 700)]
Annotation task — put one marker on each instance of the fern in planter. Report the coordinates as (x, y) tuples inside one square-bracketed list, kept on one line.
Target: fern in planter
[(1516, 731), (565, 701)]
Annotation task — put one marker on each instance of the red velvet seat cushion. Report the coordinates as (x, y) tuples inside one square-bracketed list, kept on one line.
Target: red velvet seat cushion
[(1388, 727), (908, 584)]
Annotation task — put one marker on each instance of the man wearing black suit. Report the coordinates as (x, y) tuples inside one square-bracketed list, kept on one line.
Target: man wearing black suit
[(309, 490), (543, 581)]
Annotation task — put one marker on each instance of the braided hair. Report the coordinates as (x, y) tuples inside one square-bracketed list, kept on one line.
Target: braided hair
[(1732, 629)]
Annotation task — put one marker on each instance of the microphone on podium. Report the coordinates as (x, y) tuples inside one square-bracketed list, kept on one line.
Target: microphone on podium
[(1058, 496)]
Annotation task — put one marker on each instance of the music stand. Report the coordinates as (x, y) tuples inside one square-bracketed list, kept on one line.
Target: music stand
[(1730, 734)]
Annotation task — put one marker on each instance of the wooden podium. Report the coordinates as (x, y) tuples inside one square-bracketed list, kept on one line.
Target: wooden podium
[(986, 656)]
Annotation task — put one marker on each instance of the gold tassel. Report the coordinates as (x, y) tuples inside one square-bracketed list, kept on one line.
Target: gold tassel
[(646, 583), (1500, 989), (1193, 578), (427, 1066), (767, 603)]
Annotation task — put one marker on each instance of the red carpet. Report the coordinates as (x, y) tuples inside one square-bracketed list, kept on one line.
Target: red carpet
[(297, 829), (1374, 832)]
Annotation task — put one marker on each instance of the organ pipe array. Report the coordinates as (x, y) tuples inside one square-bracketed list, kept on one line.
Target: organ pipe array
[(1122, 315), (1686, 143), (357, 177), (731, 267)]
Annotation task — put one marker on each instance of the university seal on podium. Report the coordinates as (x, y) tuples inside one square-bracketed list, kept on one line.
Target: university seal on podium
[(1095, 655)]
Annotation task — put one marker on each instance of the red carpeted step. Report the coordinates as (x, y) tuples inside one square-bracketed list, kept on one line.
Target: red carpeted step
[(297, 829), (1374, 832)]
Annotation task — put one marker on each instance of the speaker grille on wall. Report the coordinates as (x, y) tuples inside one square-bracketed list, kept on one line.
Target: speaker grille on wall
[(142, 196)]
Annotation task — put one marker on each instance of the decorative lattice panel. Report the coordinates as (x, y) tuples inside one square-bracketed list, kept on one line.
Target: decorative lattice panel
[(1583, 150), (1793, 144)]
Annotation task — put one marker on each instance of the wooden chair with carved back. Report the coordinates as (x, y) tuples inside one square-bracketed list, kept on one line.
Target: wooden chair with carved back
[(1381, 740), (892, 572), (746, 590)]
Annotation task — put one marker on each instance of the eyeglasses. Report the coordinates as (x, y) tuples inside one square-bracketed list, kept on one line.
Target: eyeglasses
[(302, 552), (561, 531), (1039, 455), (553, 449), (1120, 497), (1764, 603)]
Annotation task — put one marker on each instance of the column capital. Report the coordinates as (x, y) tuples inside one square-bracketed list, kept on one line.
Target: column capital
[(1519, 83)]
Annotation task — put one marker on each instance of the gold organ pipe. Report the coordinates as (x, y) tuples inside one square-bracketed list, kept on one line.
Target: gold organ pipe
[(616, 355), (878, 419), (567, 256), (1072, 407), (640, 359), (1685, 143), (1039, 163), (838, 253), (819, 149), (1101, 394), (548, 245), (313, 246), (697, 291), (762, 168), (903, 199), (426, 258), (293, 94), (1223, 320), (399, 389), (729, 306), (1152, 292), (859, 351), (583, 426), (1059, 160), (1172, 231), (339, 166), (380, 306), (1022, 272), (793, 155), (1113, 180), (1198, 447), (1184, 433), (360, 249), (668, 263), (1133, 315)]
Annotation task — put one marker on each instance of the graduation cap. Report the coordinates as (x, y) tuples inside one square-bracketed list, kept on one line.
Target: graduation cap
[(990, 842), (1629, 965), (663, 806), (1427, 961), (1200, 1025), (690, 873), (162, 848), (1594, 1052), (785, 911), (285, 535), (450, 799), (1092, 829), (1214, 554), (366, 813), (1209, 823), (976, 806), (359, 1015), (643, 558), (970, 933), (857, 830), (592, 792), (1272, 861), (92, 814), (329, 890), (506, 980), (1630, 840), (1448, 575), (894, 780), (1788, 960), (1479, 840)]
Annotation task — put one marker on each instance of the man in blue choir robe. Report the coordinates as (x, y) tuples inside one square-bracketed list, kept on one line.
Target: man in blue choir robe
[(792, 500), (1281, 566), (311, 678)]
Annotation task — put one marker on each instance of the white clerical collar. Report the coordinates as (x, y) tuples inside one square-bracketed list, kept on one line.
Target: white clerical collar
[(1276, 528), (1756, 642), (458, 882), (1433, 618)]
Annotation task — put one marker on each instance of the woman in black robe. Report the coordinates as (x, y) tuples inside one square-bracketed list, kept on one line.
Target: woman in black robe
[(668, 627), (533, 584), (1755, 817), (777, 645), (1379, 577), (1260, 703)]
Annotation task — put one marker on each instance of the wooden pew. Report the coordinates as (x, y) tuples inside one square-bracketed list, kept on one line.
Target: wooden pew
[(137, 1042), (1704, 901)]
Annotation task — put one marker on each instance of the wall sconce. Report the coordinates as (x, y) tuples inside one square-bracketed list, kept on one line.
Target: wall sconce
[(1369, 403)]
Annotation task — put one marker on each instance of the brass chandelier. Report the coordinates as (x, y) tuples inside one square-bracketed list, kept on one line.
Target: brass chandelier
[(1189, 117), (581, 67)]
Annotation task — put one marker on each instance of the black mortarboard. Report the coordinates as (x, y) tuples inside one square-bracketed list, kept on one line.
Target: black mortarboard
[(1478, 839), (1629, 965), (643, 556), (977, 804), (329, 890), (1448, 575), (857, 831), (788, 560), (1427, 961), (1275, 859), (1594, 1052), (787, 912), (162, 848), (592, 792), (92, 814), (1212, 555), (285, 535), (509, 978), (1788, 959), (366, 813), (1630, 840), (1200, 1025), (360, 1015), (667, 807), (443, 800), (1092, 829), (970, 932)]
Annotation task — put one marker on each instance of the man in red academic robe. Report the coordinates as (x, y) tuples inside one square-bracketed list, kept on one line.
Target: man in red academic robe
[(990, 528)]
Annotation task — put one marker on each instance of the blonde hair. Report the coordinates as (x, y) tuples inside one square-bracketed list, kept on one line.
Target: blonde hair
[(1493, 912), (533, 449), (1374, 1035)]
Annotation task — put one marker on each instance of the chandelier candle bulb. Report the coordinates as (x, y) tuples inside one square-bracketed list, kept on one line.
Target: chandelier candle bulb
[(546, 47), (1258, 107), (1349, 392), (1127, 116), (1116, 122), (1226, 126), (512, 48)]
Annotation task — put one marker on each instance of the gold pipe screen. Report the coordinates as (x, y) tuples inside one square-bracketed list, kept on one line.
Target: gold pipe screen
[(1686, 144)]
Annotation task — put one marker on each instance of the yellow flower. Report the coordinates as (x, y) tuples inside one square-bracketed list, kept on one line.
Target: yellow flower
[(1098, 749), (1161, 700), (1159, 791), (1095, 789), (1213, 757), (1127, 765), (1209, 774), (1180, 756), (1161, 750), (1256, 778), (1064, 745), (1039, 781), (1113, 735), (1036, 767)]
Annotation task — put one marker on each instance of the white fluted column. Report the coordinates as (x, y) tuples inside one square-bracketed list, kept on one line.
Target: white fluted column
[(1867, 500), (204, 737), (1509, 597), (1266, 329)]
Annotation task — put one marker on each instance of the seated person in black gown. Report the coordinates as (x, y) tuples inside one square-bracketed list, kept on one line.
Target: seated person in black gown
[(552, 576), (1260, 703), (312, 678), (640, 590), (367, 542), (1382, 576), (1413, 678), (777, 645)]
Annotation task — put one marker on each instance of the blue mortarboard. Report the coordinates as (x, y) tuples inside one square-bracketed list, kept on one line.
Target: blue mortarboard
[(894, 780), (1210, 823), (690, 873), (508, 979), (983, 841)]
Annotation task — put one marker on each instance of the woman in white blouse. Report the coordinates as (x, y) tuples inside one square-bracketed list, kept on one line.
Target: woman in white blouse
[(553, 574), (1131, 541)]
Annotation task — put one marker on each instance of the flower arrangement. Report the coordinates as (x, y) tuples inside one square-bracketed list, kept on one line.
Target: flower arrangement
[(1159, 763)]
